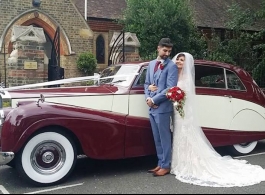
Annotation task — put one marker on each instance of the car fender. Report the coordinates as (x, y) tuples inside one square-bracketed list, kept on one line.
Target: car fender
[(248, 120), (106, 128)]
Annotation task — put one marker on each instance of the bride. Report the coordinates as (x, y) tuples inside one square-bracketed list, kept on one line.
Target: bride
[(194, 160)]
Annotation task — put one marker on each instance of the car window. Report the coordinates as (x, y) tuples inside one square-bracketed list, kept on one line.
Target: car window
[(119, 74), (233, 81), (141, 79), (210, 77)]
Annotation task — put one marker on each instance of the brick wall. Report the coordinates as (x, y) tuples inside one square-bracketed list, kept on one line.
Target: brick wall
[(50, 13), (28, 51), (103, 25), (106, 28)]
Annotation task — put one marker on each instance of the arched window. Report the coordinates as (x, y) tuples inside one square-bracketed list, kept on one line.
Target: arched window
[(100, 49)]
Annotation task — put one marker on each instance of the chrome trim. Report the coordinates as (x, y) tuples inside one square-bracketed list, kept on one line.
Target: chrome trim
[(6, 157)]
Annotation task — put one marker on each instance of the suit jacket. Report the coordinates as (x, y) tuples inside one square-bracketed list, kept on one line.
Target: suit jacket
[(164, 80)]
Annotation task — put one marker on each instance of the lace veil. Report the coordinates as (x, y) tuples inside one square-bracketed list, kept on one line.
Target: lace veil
[(187, 78)]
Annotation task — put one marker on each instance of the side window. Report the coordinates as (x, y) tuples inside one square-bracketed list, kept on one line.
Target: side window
[(233, 81), (210, 77), (141, 78)]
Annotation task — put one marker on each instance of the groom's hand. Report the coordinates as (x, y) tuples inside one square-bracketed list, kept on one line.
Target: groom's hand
[(149, 102), (155, 106)]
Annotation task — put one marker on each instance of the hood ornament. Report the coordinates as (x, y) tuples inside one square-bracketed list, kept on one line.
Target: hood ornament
[(41, 99)]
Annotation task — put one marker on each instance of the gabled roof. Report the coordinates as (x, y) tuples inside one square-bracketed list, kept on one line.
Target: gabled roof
[(104, 9), (213, 13), (130, 39), (207, 13), (28, 33)]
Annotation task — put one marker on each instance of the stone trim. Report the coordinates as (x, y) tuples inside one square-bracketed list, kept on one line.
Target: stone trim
[(43, 20)]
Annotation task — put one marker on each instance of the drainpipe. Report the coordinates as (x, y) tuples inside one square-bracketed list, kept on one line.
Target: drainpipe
[(86, 10)]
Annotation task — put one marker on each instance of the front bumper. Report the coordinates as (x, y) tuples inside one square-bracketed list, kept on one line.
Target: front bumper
[(6, 157)]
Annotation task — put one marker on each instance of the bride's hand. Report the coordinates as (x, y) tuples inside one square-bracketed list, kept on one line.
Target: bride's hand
[(152, 88)]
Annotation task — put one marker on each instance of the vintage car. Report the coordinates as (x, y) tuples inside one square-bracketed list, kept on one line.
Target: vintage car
[(42, 136)]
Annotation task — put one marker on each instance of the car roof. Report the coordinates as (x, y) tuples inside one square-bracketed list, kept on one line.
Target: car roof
[(197, 62), (240, 71)]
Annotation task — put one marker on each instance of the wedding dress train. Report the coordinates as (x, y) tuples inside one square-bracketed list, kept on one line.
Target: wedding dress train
[(194, 160)]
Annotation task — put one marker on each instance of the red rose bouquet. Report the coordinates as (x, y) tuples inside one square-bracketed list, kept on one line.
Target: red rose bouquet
[(178, 96)]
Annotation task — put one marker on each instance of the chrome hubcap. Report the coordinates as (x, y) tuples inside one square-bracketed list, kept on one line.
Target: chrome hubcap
[(48, 157)]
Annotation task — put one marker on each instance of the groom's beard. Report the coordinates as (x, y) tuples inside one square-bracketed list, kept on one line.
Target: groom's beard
[(164, 57)]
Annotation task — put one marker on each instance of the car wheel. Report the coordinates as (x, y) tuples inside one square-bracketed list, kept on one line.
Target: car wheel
[(47, 158), (243, 148)]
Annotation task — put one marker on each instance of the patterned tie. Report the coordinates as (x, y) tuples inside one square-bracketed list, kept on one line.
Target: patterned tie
[(156, 66)]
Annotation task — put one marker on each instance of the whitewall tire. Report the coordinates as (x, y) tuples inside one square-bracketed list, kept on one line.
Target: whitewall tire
[(47, 158), (244, 148)]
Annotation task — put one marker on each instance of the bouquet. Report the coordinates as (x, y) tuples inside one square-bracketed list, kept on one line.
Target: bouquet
[(178, 96)]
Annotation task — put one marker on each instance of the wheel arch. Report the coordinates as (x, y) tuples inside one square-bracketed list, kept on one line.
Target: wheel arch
[(51, 128), (243, 122)]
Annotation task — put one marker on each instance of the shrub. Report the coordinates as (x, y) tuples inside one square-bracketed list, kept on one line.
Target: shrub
[(87, 63)]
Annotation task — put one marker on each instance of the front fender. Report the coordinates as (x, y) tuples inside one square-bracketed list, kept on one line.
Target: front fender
[(101, 134)]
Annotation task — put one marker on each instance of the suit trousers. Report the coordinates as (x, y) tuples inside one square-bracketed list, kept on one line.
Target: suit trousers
[(160, 123)]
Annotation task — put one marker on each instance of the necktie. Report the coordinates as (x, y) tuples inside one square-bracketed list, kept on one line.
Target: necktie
[(156, 66)]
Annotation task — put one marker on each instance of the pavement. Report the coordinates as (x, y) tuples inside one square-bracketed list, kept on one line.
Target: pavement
[(125, 177)]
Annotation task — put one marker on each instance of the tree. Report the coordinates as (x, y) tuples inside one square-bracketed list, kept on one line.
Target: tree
[(242, 47), (87, 63), (153, 20)]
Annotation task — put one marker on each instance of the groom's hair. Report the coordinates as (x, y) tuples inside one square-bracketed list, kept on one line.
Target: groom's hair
[(165, 42)]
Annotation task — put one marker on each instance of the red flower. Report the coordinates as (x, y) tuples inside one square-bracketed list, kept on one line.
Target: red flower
[(178, 96)]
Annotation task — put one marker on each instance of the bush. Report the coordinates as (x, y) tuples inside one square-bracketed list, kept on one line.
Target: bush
[(87, 63)]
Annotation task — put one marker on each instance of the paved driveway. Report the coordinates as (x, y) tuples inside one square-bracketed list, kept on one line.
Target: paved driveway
[(124, 176)]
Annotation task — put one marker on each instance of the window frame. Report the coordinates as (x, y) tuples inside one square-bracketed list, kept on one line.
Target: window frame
[(205, 87), (138, 78)]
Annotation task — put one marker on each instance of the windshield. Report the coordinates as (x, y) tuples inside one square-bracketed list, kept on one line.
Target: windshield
[(119, 74)]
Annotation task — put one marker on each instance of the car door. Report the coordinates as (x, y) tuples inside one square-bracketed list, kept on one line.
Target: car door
[(248, 116), (214, 103), (139, 138)]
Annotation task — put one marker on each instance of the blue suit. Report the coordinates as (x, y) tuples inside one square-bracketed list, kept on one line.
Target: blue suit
[(160, 117)]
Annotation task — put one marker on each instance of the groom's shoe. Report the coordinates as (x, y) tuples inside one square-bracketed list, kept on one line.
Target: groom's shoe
[(161, 172), (154, 170)]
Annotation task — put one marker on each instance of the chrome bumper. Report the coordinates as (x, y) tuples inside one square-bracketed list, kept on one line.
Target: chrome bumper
[(6, 157)]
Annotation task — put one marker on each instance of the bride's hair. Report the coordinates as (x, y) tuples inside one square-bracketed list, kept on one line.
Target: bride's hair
[(180, 55)]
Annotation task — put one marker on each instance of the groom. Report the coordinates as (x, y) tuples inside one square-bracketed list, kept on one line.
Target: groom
[(163, 73)]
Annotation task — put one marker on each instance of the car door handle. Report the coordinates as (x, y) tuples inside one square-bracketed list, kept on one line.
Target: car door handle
[(229, 96)]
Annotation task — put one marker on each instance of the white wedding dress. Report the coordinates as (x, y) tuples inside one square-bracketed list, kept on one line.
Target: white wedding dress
[(194, 160)]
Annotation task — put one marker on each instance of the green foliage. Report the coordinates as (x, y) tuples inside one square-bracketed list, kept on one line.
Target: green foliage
[(259, 73), (153, 20), (239, 46), (87, 63)]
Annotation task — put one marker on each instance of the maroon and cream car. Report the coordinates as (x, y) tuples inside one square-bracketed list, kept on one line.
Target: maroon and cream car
[(109, 120)]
